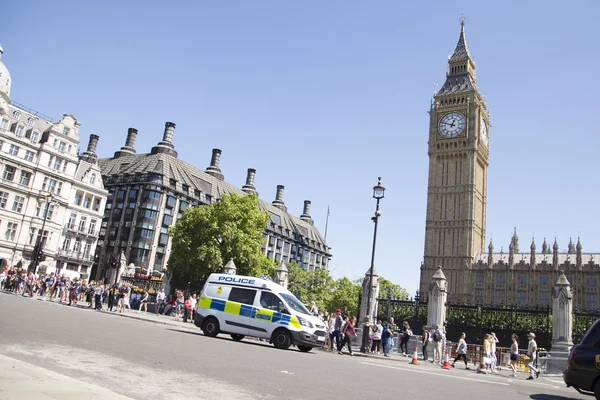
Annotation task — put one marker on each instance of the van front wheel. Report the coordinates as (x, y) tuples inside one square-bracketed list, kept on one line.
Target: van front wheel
[(211, 327), (237, 337), (305, 349), (281, 339)]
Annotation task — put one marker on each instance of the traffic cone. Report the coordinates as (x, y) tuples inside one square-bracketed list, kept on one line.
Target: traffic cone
[(415, 357), (446, 364)]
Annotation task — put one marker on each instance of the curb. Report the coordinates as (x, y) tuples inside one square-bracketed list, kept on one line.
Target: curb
[(141, 319)]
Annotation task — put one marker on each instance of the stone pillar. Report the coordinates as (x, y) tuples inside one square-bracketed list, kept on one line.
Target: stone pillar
[(562, 325), (230, 268), (372, 313), (281, 275), (436, 313)]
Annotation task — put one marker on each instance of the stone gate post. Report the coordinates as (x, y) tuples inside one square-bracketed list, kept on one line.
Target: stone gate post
[(562, 325), (436, 311), (230, 268), (281, 275), (372, 313)]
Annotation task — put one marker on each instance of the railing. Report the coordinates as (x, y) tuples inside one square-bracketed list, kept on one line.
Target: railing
[(78, 255), (31, 111)]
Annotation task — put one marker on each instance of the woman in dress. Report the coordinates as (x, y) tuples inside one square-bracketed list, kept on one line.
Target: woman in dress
[(144, 302), (514, 355)]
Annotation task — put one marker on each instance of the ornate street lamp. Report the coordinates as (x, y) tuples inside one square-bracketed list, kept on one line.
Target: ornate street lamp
[(378, 194), (40, 241)]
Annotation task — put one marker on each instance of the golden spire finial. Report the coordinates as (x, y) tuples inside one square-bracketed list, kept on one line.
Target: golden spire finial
[(462, 21)]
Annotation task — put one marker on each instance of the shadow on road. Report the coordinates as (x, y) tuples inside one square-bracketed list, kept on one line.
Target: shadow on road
[(551, 397), (251, 342)]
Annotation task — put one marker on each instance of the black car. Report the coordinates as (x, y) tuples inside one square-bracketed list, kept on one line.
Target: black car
[(583, 371)]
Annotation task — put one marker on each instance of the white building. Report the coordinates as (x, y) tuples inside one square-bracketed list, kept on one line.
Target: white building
[(42, 176)]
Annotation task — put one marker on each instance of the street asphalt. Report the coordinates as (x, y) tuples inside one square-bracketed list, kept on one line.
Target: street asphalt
[(143, 360)]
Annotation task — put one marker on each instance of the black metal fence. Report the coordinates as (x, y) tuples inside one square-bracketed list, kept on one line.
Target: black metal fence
[(476, 321), (582, 321), (412, 311)]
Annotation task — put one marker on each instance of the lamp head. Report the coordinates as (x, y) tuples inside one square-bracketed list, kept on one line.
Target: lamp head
[(378, 190)]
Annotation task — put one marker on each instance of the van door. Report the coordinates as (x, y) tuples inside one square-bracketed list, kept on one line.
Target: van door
[(239, 311), (270, 312)]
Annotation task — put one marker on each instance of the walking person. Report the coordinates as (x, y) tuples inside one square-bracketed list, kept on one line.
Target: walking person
[(438, 340), (425, 342), (349, 335), (532, 355), (406, 334), (144, 302), (385, 338), (337, 327), (376, 335), (187, 312), (461, 351), (514, 355), (493, 341), (485, 359)]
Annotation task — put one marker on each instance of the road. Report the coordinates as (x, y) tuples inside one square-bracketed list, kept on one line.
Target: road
[(145, 360)]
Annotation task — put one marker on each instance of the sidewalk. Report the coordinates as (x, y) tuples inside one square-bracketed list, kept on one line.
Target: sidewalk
[(20, 380)]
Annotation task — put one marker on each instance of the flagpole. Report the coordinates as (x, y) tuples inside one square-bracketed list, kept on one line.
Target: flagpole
[(326, 224)]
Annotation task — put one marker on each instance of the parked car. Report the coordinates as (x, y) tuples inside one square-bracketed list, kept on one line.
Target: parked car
[(583, 371)]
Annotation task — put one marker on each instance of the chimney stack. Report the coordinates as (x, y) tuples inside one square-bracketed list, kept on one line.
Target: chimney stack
[(278, 202), (214, 169), (249, 186), (90, 154), (306, 213), (166, 145), (129, 147)]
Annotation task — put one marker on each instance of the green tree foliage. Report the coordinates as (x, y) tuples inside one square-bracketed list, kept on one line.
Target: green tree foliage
[(298, 282), (387, 288), (205, 238), (345, 296), (311, 286)]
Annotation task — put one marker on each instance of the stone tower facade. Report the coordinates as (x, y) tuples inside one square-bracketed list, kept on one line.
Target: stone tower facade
[(457, 186)]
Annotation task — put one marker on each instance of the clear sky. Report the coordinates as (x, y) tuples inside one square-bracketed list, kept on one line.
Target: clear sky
[(324, 97)]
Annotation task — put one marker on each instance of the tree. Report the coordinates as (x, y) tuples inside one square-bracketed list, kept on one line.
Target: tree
[(205, 238), (394, 291), (345, 296), (297, 282)]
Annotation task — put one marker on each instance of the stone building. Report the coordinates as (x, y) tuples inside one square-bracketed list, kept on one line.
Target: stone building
[(149, 192), (42, 177), (459, 148)]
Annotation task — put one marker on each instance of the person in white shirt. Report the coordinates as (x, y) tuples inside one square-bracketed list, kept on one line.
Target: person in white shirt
[(160, 300), (194, 302), (461, 351), (532, 354), (493, 341)]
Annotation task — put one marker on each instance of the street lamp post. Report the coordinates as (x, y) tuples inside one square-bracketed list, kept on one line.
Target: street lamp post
[(40, 241), (378, 194)]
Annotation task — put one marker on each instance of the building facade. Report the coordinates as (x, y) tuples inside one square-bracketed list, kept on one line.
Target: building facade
[(149, 192), (41, 175), (455, 227)]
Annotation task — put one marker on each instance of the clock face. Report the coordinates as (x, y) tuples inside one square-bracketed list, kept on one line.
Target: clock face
[(452, 125), (483, 131)]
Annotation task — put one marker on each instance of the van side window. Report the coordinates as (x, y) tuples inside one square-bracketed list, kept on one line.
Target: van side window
[(244, 296), (272, 302)]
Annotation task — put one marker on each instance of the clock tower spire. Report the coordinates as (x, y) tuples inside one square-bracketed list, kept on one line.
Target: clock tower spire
[(457, 186)]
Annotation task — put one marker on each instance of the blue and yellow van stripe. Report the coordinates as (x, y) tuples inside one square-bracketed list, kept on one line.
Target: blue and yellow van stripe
[(233, 308)]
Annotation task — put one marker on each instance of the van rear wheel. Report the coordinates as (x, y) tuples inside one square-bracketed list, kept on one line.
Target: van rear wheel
[(211, 327), (237, 337), (281, 339), (305, 349)]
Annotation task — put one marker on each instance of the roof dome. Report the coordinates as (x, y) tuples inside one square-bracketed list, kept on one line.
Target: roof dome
[(4, 76)]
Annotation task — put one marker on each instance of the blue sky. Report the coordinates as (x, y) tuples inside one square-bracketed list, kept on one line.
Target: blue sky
[(324, 97)]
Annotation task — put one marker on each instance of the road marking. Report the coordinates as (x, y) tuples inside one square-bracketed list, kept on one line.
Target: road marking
[(436, 374), (539, 383)]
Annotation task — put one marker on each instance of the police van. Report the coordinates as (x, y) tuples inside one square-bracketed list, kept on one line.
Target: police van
[(246, 306)]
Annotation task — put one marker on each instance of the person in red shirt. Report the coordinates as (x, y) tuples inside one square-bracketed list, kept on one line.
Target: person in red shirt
[(188, 309)]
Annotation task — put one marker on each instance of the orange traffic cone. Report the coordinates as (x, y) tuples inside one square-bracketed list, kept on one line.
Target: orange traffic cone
[(446, 364), (415, 357)]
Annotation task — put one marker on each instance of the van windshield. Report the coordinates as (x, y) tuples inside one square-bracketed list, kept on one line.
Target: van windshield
[(294, 303)]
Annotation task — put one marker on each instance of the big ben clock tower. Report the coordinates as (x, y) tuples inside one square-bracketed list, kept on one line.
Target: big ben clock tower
[(457, 187)]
